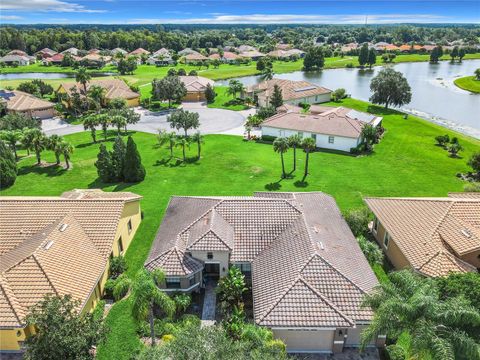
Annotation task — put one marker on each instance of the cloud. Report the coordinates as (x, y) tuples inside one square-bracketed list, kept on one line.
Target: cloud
[(10, 17), (45, 6), (297, 19)]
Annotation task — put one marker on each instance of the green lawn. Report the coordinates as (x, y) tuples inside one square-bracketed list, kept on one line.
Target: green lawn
[(469, 83), (405, 163), (222, 100)]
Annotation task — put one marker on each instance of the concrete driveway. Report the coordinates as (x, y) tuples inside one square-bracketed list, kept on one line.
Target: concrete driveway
[(212, 121)]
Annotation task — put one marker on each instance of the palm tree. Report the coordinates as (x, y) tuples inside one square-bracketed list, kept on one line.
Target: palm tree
[(172, 141), (39, 142), (198, 138), (369, 135), (234, 87), (97, 94), (280, 145), (183, 142), (90, 122), (441, 328), (82, 77), (294, 141), (308, 145), (11, 137), (119, 121), (54, 143), (267, 74), (104, 120), (67, 150), (26, 139), (146, 294)]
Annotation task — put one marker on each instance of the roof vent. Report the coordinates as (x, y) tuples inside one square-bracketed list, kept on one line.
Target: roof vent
[(63, 227), (466, 233), (321, 245), (48, 245)]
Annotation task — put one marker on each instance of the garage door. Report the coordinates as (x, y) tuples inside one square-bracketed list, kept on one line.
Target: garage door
[(306, 341), (43, 114)]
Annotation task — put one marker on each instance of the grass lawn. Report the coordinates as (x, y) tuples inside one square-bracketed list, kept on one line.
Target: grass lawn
[(222, 99), (405, 163), (469, 83)]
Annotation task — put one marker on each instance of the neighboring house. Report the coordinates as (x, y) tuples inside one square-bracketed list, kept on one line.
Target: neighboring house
[(96, 59), (72, 51), (187, 51), (60, 246), (243, 48), (333, 128), (160, 57), (293, 92), (139, 52), (17, 52), (226, 57), (196, 86), (349, 47), (20, 60), (54, 60), (286, 54), (189, 58), (118, 50), (114, 88), (45, 52), (308, 275), (283, 46), (252, 54), (433, 236), (19, 102)]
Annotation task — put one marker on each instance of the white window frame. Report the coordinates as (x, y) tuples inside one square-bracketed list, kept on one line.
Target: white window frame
[(331, 139), (386, 239)]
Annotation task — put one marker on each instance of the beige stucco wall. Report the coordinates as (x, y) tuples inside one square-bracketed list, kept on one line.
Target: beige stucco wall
[(131, 211), (472, 258), (219, 257), (393, 252), (306, 340)]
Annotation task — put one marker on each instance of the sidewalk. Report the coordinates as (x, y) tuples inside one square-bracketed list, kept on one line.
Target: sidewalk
[(209, 304)]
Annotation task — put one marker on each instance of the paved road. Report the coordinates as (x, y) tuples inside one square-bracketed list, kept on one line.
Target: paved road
[(212, 121)]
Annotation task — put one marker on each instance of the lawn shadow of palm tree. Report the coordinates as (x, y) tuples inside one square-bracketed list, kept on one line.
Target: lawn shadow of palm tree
[(50, 170), (301, 183)]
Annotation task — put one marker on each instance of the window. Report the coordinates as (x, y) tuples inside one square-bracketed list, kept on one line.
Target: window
[(331, 139), (120, 245), (245, 268), (314, 137), (375, 225), (191, 280), (209, 255), (316, 98), (281, 133), (300, 134), (172, 282), (129, 226), (386, 239)]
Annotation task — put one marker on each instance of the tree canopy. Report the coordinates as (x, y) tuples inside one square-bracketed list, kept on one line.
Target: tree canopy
[(390, 87)]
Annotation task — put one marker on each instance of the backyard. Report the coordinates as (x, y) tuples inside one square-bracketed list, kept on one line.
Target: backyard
[(405, 163)]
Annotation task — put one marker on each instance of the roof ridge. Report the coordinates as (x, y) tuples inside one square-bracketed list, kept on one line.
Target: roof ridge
[(45, 274)]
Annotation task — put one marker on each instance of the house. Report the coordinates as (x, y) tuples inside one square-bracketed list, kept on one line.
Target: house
[(307, 272), (187, 51), (20, 60), (432, 236), (72, 51), (196, 86), (160, 57), (58, 245), (114, 88), (19, 102), (283, 46), (96, 59), (17, 52), (227, 57), (45, 52), (139, 52), (252, 54), (349, 47), (243, 48), (286, 54), (189, 58), (336, 128), (54, 60), (293, 92), (117, 51)]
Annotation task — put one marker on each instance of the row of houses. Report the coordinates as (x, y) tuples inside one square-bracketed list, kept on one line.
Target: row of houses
[(387, 47), (307, 272)]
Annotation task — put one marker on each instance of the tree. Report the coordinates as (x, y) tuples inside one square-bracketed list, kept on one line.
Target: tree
[(389, 87), (210, 94), (169, 88), (454, 149), (8, 166), (146, 294), (97, 95), (39, 143), (461, 54), (67, 151), (27, 138), (440, 329), (29, 87), (62, 332), (280, 145), (267, 74), (182, 119), (117, 103), (127, 66), (18, 122), (460, 284), (477, 74), (339, 94), (11, 137), (265, 112), (276, 99), (308, 146), (54, 144), (294, 141), (118, 157), (104, 120), (371, 250), (198, 138), (167, 138), (230, 289), (372, 57), (234, 87), (83, 77), (43, 87), (454, 53), (369, 136), (442, 140), (314, 59), (363, 55), (133, 171), (118, 120), (474, 163), (104, 165), (183, 142), (182, 302), (90, 122)]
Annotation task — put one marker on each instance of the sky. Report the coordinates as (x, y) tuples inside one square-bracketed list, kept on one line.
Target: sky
[(237, 11)]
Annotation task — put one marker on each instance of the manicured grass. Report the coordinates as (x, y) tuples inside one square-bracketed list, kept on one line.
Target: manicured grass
[(222, 100), (469, 83), (39, 67), (405, 163)]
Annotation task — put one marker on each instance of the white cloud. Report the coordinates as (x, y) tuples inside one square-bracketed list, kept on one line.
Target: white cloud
[(10, 17), (45, 6)]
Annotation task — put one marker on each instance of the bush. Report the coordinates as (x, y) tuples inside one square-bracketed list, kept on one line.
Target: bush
[(371, 250), (339, 94), (109, 285), (358, 221), (265, 112), (182, 302), (442, 140), (472, 187), (8, 166), (167, 338), (118, 266), (268, 138), (395, 352), (349, 66)]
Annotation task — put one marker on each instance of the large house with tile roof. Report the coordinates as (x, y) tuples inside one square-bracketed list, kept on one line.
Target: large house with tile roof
[(307, 272), (19, 102), (61, 246), (432, 236)]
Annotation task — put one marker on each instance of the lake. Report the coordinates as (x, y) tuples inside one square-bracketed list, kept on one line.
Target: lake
[(434, 95), (37, 75)]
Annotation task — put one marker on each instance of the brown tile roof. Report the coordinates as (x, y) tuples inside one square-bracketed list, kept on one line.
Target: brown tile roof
[(290, 89), (467, 195), (115, 88), (20, 101), (307, 267), (314, 109), (99, 194), (140, 51), (431, 232), (195, 57), (338, 121), (196, 83)]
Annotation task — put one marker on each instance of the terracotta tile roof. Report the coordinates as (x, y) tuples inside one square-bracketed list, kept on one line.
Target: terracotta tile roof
[(468, 195), (338, 121), (195, 57), (431, 232), (290, 89), (115, 88), (314, 109), (140, 51), (196, 83), (96, 57), (21, 101), (307, 267), (99, 194), (251, 53)]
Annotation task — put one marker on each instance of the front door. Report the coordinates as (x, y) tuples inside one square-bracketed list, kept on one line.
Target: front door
[(212, 271)]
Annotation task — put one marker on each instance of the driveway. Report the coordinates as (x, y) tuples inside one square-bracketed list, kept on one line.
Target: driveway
[(212, 121)]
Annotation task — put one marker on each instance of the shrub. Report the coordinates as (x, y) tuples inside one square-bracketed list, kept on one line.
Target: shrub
[(182, 302), (349, 66), (8, 166), (210, 94), (474, 163), (268, 138), (395, 352), (442, 140), (358, 221), (339, 94), (472, 187), (134, 171), (371, 250), (265, 112), (121, 287), (167, 338), (109, 286), (118, 265)]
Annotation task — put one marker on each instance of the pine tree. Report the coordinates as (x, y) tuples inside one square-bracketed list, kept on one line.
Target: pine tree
[(363, 55), (118, 159), (210, 94), (8, 166), (372, 57), (134, 171), (277, 99), (104, 165)]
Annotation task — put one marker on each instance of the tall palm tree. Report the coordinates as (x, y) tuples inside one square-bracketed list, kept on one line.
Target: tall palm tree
[(441, 328), (104, 120), (11, 137), (234, 87), (26, 139), (267, 74), (54, 143), (198, 138), (183, 142), (308, 145), (39, 143), (90, 122), (67, 150), (119, 121), (294, 141), (83, 77), (280, 145), (172, 141), (97, 94)]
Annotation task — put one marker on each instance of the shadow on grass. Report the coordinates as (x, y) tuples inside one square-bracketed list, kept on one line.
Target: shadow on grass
[(50, 170), (273, 186), (300, 184), (119, 186), (111, 136), (175, 162)]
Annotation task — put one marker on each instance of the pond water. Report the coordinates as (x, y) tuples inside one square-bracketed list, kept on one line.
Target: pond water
[(434, 95), (36, 75)]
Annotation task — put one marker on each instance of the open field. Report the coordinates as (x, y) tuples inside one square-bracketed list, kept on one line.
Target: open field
[(405, 163), (469, 83)]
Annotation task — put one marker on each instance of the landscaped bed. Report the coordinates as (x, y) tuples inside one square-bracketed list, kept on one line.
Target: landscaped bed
[(405, 163)]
